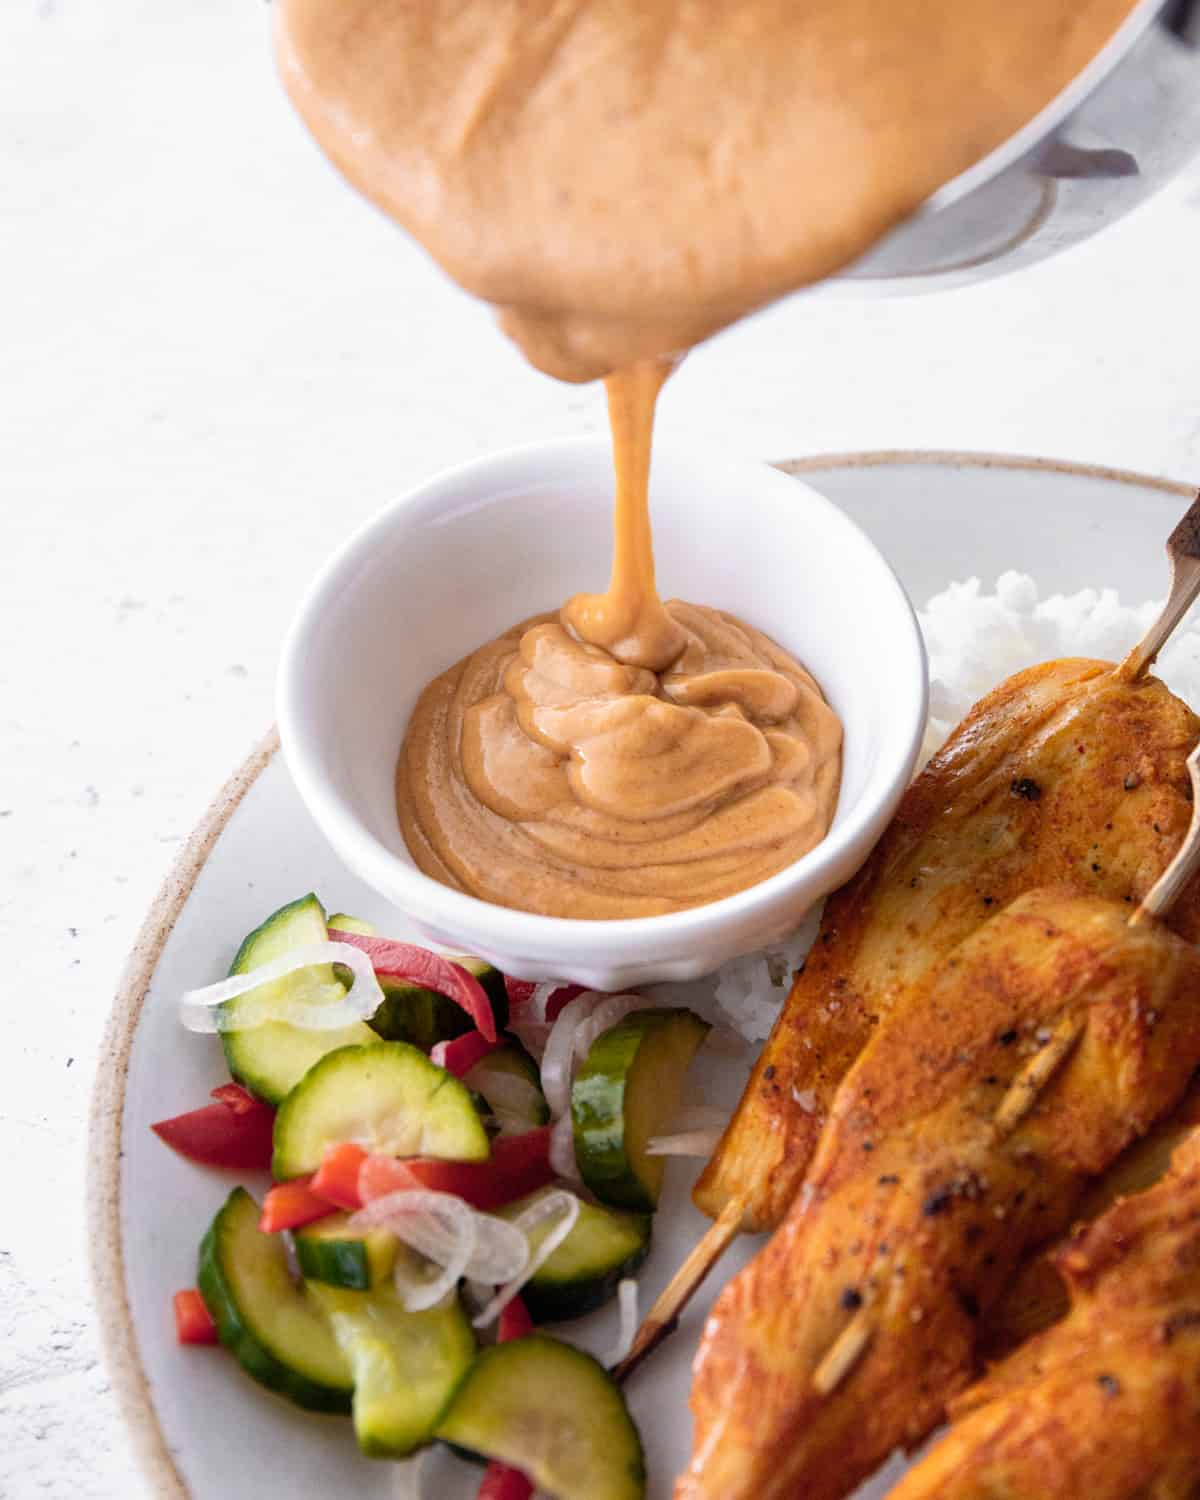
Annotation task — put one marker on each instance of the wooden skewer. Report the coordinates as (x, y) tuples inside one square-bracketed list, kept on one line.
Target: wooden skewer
[(1183, 550), (1036, 1074), (1167, 889), (663, 1317), (844, 1353)]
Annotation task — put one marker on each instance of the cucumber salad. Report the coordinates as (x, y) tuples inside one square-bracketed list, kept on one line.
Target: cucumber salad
[(457, 1159)]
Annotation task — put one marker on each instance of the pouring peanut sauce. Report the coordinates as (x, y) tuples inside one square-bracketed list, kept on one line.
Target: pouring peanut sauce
[(621, 181), (625, 758)]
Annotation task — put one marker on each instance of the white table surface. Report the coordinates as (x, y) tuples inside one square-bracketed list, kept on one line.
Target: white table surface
[(214, 360)]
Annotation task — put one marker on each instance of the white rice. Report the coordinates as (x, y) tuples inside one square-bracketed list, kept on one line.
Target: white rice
[(975, 640)]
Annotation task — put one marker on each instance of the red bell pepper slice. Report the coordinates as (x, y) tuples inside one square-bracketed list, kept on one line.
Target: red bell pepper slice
[(240, 1100), (520, 992), (560, 998), (235, 1132), (289, 1205), (519, 1164), (380, 1175), (499, 1482), (459, 1055), (514, 1322), (413, 965), (193, 1321), (336, 1179)]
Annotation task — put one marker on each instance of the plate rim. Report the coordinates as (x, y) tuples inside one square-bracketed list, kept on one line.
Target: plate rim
[(106, 1249), (106, 1254)]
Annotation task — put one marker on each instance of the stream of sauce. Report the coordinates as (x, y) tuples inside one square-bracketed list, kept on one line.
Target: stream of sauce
[(626, 757)]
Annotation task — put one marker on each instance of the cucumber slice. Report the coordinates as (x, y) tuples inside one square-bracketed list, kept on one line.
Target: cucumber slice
[(272, 1058), (387, 1097), (342, 922), (553, 1412), (626, 1091), (327, 1251), (278, 1334), (407, 1365), (410, 1013), (488, 1079), (582, 1274)]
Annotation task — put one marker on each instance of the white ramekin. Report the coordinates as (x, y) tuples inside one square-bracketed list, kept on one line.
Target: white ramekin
[(472, 551)]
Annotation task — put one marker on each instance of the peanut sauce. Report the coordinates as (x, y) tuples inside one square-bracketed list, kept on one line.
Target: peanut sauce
[(627, 757)]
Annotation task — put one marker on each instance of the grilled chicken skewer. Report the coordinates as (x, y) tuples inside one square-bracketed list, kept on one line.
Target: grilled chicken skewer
[(1106, 1403), (1069, 773), (1020, 1067)]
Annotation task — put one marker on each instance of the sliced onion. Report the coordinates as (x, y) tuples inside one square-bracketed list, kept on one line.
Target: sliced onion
[(314, 1004), (448, 1232), (507, 1093), (443, 1232), (627, 1308), (501, 1251), (559, 1056), (419, 1293), (555, 1204), (531, 1035), (578, 1025), (684, 1143), (534, 1008), (562, 1150)]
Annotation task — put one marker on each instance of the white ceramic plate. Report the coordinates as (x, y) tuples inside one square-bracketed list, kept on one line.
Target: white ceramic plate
[(203, 1430)]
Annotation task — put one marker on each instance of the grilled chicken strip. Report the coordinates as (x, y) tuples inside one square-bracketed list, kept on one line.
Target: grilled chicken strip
[(1105, 1405), (1020, 1066), (1038, 1296), (1067, 773)]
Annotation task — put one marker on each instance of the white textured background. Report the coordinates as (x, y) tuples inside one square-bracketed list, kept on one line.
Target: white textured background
[(213, 361)]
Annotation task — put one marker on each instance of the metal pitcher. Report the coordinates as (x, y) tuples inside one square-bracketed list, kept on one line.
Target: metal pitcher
[(1110, 140)]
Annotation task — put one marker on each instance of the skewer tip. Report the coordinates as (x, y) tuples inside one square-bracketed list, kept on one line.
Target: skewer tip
[(663, 1318)]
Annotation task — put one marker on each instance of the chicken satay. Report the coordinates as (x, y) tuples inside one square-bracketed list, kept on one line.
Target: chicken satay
[(1068, 773), (1038, 1296), (1017, 1068), (1106, 1404), (1072, 771)]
